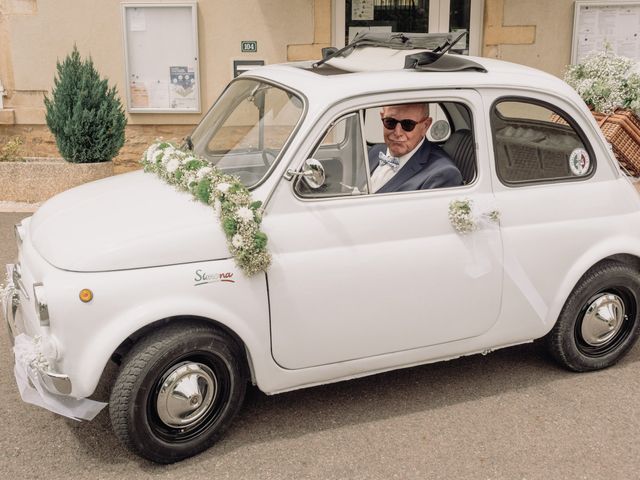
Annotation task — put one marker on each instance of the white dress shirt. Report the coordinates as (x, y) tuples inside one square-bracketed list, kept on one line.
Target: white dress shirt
[(383, 173)]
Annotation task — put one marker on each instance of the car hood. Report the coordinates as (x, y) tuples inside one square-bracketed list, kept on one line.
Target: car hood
[(127, 221)]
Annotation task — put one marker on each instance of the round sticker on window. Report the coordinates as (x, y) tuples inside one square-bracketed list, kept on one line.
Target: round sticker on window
[(579, 161)]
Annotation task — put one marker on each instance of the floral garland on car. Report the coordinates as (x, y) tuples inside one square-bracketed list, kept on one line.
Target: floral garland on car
[(239, 215)]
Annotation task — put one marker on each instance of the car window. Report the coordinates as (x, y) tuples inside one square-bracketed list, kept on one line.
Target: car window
[(341, 153), (537, 143), (449, 162), (245, 131)]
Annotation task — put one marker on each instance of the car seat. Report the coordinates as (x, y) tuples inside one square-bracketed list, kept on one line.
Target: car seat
[(461, 149)]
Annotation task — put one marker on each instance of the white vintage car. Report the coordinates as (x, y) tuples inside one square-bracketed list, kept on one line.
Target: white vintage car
[(539, 240)]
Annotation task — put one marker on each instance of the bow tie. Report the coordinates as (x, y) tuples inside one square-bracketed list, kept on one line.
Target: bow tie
[(388, 160)]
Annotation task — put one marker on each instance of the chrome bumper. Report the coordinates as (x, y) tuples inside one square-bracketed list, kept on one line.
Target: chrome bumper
[(53, 382)]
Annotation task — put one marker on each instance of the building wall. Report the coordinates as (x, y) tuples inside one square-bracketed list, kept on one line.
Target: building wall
[(536, 33), (35, 33)]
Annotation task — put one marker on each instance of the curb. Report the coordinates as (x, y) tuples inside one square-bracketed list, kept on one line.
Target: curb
[(13, 207)]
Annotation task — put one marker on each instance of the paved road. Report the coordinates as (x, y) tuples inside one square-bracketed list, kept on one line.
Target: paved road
[(510, 415)]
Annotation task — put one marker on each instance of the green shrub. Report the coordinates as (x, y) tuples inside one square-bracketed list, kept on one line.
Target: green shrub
[(85, 115)]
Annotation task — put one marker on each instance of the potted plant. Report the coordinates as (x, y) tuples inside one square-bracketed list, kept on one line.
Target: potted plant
[(88, 122), (610, 85)]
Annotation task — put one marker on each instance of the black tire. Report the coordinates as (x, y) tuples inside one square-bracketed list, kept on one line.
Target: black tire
[(203, 373), (599, 322)]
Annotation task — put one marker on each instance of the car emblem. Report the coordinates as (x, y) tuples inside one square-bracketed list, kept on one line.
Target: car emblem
[(202, 278)]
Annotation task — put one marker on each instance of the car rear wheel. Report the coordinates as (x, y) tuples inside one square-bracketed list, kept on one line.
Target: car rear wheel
[(599, 322), (176, 392)]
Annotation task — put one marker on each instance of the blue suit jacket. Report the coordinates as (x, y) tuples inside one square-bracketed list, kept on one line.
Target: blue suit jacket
[(429, 167)]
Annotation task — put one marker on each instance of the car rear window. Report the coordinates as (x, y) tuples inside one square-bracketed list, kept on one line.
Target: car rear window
[(537, 143)]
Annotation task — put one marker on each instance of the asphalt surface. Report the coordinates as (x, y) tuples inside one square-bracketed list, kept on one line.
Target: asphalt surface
[(510, 415)]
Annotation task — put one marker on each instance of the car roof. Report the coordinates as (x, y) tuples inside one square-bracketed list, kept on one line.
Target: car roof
[(374, 70)]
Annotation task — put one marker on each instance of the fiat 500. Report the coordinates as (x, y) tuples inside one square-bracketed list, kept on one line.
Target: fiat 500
[(538, 240)]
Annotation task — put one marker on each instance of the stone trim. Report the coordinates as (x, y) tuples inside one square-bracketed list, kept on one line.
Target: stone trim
[(496, 33), (7, 116), (36, 180), (321, 34), (39, 142)]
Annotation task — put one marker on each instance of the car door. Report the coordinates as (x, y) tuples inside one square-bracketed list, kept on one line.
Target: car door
[(356, 274), (555, 188)]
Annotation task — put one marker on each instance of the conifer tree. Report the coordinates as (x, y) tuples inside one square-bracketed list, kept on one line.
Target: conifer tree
[(85, 115)]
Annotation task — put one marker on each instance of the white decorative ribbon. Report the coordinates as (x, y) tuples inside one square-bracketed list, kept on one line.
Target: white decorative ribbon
[(27, 358), (475, 231)]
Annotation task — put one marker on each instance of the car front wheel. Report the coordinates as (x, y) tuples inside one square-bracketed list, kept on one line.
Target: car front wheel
[(599, 322), (176, 392)]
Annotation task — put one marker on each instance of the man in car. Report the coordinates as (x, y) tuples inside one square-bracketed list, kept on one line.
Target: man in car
[(407, 160)]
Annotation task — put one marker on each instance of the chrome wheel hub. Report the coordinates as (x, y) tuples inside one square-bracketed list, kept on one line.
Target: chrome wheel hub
[(602, 320), (186, 395)]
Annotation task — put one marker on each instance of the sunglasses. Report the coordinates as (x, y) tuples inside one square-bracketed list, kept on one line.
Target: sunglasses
[(406, 124)]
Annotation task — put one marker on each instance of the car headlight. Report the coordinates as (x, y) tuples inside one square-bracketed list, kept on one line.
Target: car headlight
[(40, 299)]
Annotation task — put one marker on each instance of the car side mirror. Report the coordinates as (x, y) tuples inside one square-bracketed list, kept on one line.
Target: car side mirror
[(312, 174)]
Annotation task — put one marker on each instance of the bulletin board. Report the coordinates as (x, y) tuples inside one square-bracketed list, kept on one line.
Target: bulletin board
[(616, 23), (161, 57)]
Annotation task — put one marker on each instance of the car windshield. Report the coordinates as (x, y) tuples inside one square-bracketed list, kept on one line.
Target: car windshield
[(245, 131)]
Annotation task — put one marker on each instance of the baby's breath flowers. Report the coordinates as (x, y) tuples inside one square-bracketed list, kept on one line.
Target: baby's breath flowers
[(460, 216), (606, 81), (463, 218), (231, 201)]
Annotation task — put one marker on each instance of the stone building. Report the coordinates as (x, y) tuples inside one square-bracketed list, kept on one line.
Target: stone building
[(35, 33)]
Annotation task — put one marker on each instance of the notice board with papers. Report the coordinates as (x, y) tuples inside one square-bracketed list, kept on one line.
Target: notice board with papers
[(614, 23), (161, 57)]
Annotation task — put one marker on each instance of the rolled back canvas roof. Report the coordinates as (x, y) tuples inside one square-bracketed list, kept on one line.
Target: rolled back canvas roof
[(401, 41)]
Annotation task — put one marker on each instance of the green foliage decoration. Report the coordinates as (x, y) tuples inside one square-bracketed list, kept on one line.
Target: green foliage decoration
[(84, 114), (240, 216)]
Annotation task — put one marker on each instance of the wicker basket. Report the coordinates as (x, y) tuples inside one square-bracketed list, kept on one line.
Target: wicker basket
[(622, 131)]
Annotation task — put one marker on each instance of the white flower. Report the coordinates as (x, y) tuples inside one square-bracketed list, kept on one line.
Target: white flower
[(461, 216), (149, 154), (172, 165), (156, 153), (237, 240), (245, 214), (223, 187), (605, 81), (170, 153), (190, 177), (217, 207), (203, 172)]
